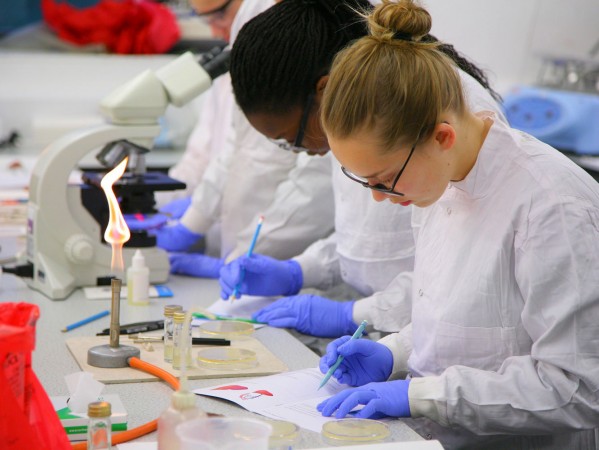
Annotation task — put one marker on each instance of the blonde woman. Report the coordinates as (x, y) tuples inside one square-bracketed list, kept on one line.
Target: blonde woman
[(503, 347)]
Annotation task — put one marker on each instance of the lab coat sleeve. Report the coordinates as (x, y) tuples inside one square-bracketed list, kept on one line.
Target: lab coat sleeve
[(400, 345), (302, 211), (555, 388), (206, 201), (206, 136), (320, 264), (256, 172), (389, 310)]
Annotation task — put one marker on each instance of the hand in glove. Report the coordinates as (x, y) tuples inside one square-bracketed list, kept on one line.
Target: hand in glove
[(389, 398), (195, 265), (310, 314), (364, 361), (261, 275), (176, 208), (176, 238), (145, 222)]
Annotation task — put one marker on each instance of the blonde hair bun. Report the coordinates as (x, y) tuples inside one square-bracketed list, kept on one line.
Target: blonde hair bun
[(404, 18)]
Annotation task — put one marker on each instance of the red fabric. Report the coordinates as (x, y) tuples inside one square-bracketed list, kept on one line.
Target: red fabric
[(125, 26)]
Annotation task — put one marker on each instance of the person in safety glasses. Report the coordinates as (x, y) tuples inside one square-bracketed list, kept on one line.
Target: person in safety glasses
[(501, 351)]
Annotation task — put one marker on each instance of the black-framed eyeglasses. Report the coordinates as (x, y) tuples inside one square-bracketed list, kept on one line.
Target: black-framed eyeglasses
[(217, 11), (297, 144), (380, 187)]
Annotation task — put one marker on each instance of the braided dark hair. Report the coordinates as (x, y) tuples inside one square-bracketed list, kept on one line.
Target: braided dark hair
[(279, 55), (466, 65)]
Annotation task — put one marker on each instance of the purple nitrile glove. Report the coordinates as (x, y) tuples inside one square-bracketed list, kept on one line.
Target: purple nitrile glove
[(176, 208), (262, 275), (389, 398), (195, 265), (364, 361), (310, 314), (145, 222), (176, 238)]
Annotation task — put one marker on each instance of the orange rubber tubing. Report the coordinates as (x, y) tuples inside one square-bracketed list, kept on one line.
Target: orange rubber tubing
[(146, 428)]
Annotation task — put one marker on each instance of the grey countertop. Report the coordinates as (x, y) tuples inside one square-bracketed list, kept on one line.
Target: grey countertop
[(145, 401)]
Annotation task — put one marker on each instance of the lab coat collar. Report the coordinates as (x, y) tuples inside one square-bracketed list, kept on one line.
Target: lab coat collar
[(491, 159)]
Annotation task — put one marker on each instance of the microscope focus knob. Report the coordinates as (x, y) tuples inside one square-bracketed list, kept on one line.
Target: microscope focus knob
[(79, 249)]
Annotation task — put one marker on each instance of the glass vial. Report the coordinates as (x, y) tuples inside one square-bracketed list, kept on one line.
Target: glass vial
[(169, 310), (181, 338), (99, 428)]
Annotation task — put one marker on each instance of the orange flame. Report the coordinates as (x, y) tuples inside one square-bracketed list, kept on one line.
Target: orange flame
[(117, 232)]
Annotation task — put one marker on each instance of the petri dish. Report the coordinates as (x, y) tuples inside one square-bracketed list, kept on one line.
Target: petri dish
[(355, 431), (284, 434), (219, 358), (226, 329)]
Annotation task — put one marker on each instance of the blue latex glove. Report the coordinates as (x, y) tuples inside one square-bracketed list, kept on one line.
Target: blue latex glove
[(141, 222), (195, 265), (310, 314), (263, 275), (176, 208), (364, 361), (389, 398), (175, 238)]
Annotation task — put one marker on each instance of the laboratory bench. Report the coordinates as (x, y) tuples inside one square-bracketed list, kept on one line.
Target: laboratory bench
[(145, 401)]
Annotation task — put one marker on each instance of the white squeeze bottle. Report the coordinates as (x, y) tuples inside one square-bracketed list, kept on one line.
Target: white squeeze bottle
[(138, 280)]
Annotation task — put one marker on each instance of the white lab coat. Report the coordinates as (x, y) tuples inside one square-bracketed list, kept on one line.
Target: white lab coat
[(373, 242), (249, 176), (505, 314)]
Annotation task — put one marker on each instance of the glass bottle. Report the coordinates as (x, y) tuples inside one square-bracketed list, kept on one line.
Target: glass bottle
[(169, 310), (99, 428), (181, 339)]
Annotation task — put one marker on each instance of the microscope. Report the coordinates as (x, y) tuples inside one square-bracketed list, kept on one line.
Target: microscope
[(66, 222)]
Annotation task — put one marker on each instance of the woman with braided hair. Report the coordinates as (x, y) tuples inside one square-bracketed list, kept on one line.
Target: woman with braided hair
[(279, 70), (502, 349)]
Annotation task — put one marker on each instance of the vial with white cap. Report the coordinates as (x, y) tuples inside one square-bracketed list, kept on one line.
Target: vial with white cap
[(138, 280)]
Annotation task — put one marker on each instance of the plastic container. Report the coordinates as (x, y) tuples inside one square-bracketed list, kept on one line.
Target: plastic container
[(226, 358), (224, 433), (354, 432), (226, 329), (183, 408), (138, 281), (284, 435)]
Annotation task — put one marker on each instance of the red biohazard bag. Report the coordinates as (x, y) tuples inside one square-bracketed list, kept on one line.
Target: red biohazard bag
[(27, 418)]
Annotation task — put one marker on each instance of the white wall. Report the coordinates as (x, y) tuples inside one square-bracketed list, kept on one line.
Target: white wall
[(507, 37), (45, 95)]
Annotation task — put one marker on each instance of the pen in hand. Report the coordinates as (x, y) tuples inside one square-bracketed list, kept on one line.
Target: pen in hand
[(357, 335), (237, 288)]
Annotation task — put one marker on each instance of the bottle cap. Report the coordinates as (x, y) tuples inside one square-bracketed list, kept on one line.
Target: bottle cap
[(179, 316), (99, 409), (169, 310), (183, 400), (138, 261)]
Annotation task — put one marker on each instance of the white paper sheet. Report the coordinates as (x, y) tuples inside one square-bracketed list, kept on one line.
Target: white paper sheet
[(290, 396)]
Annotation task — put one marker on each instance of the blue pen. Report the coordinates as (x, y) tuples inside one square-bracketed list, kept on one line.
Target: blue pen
[(84, 321), (330, 372), (249, 253)]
